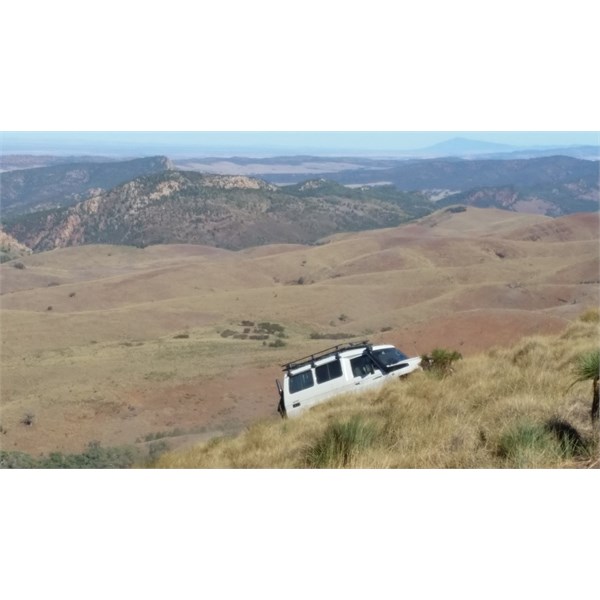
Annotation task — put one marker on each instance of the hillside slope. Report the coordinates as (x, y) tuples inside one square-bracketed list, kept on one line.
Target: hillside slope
[(234, 212), (117, 343), (30, 190), (509, 408)]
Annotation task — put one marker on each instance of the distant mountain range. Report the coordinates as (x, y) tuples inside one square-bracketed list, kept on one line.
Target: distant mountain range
[(227, 211), (146, 201)]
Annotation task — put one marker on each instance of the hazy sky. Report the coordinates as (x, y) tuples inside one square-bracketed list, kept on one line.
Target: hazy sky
[(274, 141)]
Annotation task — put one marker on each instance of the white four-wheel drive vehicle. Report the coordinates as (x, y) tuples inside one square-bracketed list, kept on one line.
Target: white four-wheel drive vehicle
[(350, 367)]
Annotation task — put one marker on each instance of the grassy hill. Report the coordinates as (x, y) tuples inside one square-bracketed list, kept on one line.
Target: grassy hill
[(506, 408), (118, 344)]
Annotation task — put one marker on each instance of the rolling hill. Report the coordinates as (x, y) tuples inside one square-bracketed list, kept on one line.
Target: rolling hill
[(127, 345)]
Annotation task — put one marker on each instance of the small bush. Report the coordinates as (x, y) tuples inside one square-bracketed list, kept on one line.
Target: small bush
[(72, 295), (440, 361), (227, 333), (19, 265), (271, 328), (28, 420), (181, 336), (278, 343), (247, 323)]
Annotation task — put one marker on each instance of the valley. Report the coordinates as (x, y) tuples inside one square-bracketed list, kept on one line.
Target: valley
[(125, 345)]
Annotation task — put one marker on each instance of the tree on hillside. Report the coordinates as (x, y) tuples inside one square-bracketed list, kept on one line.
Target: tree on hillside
[(588, 368)]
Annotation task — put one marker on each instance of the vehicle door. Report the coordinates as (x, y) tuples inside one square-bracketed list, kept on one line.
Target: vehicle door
[(365, 372)]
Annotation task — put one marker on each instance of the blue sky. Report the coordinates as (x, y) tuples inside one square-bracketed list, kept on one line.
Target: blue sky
[(272, 141)]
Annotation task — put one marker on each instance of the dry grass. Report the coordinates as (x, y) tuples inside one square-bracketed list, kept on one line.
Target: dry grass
[(507, 408)]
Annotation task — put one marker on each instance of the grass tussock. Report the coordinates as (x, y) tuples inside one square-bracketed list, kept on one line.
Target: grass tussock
[(341, 443), (507, 408)]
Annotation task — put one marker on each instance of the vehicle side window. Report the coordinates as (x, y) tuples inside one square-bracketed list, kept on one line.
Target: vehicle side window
[(361, 366), (328, 371), (301, 381)]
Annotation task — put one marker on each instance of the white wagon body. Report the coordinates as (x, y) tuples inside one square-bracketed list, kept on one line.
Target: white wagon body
[(347, 368)]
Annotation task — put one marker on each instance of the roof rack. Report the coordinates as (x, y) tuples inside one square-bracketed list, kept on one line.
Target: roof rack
[(300, 362)]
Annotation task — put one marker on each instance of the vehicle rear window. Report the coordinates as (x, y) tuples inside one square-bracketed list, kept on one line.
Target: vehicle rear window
[(328, 371), (301, 381)]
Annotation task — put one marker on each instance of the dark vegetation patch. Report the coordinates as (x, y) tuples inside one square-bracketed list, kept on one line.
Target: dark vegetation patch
[(338, 335), (261, 332), (94, 457)]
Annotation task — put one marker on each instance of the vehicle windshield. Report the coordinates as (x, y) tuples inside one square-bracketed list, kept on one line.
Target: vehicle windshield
[(389, 356)]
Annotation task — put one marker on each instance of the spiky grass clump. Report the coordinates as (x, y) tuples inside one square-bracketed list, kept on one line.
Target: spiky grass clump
[(341, 443), (588, 366)]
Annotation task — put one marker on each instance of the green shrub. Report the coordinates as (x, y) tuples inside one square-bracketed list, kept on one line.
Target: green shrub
[(440, 361)]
